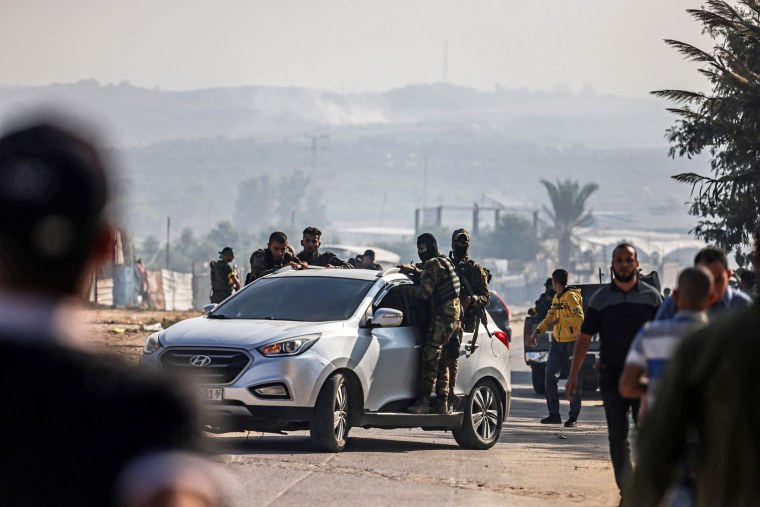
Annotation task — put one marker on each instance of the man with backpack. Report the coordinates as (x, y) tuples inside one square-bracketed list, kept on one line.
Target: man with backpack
[(223, 277)]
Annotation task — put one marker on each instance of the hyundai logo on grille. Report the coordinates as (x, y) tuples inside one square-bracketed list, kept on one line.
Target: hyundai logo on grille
[(200, 360)]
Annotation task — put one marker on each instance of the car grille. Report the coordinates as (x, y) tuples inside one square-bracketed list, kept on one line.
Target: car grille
[(221, 366)]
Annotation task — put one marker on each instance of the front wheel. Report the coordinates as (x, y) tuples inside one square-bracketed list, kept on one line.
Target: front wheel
[(483, 417), (538, 377), (329, 426)]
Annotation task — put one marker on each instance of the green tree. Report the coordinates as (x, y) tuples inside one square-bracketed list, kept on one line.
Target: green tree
[(255, 203), (512, 238), (725, 122), (568, 212)]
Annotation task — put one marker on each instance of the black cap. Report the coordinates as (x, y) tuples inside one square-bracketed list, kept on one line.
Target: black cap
[(548, 283), (226, 250), (54, 186), (369, 253)]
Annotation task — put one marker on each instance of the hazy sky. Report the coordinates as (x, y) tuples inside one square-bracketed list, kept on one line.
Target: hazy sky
[(350, 45)]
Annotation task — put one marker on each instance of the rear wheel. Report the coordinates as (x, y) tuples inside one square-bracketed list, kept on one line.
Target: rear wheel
[(483, 416), (590, 379), (329, 426), (538, 376)]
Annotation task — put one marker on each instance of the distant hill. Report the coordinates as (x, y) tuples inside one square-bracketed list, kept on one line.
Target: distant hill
[(178, 150)]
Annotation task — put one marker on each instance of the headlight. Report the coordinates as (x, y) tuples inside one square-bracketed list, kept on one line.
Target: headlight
[(152, 344), (537, 357), (289, 347)]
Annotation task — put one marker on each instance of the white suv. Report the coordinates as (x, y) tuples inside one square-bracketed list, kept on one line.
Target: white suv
[(327, 350)]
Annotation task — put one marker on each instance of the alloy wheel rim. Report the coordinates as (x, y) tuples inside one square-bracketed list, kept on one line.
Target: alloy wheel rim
[(340, 418), (485, 417)]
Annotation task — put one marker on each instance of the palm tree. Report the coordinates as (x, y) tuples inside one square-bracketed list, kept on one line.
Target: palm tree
[(568, 212)]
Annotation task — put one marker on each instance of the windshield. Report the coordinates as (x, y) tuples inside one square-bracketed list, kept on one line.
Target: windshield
[(312, 299)]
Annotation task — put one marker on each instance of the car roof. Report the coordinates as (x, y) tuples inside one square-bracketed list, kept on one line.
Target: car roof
[(354, 274)]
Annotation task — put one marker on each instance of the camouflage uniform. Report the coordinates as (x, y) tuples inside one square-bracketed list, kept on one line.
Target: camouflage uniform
[(222, 281), (476, 276), (439, 284), (262, 263), (318, 258)]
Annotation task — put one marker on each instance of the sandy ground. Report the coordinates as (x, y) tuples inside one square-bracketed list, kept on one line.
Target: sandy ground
[(123, 332)]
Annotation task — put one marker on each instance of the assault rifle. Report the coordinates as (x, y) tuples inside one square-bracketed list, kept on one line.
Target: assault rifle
[(479, 310)]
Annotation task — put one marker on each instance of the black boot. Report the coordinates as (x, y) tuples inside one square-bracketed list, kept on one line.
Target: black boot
[(421, 407)]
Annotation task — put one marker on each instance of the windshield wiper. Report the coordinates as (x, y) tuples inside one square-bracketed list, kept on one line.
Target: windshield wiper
[(216, 316)]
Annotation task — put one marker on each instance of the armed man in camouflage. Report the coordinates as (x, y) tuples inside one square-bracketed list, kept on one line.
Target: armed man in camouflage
[(474, 298), (223, 276), (311, 256), (272, 258), (439, 284)]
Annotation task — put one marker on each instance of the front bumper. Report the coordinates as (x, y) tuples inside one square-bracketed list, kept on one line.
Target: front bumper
[(240, 408)]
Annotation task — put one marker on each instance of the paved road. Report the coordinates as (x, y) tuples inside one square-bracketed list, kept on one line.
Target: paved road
[(531, 465)]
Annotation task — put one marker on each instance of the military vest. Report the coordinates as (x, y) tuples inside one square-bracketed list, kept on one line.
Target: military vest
[(448, 285)]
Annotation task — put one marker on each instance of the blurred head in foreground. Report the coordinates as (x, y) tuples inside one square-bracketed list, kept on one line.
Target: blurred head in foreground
[(52, 203)]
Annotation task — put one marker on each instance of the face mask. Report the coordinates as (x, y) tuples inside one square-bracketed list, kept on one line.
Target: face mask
[(427, 254), (430, 248), (459, 251)]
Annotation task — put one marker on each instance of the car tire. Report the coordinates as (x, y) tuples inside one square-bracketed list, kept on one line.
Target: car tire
[(538, 376), (483, 417), (590, 380), (329, 426)]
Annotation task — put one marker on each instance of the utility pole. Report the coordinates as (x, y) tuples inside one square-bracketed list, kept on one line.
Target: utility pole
[(424, 175), (314, 140), (168, 229), (445, 61)]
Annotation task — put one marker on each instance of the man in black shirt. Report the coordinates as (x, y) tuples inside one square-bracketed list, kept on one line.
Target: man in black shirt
[(76, 429), (616, 311), (311, 256)]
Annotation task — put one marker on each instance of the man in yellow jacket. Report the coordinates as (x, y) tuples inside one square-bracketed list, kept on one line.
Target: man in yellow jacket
[(566, 317)]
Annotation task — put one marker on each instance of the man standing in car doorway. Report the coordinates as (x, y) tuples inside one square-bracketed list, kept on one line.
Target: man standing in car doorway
[(439, 285), (474, 298)]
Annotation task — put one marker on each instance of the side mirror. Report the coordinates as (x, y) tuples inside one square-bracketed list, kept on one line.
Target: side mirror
[(209, 307), (387, 317)]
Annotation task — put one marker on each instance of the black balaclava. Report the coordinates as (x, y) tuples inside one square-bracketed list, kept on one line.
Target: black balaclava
[(460, 252), (431, 246)]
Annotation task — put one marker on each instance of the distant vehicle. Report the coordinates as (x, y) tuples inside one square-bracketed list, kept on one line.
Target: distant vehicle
[(499, 311), (385, 258), (536, 357), (327, 350)]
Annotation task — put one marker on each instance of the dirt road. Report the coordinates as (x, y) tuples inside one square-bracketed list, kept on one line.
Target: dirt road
[(531, 465)]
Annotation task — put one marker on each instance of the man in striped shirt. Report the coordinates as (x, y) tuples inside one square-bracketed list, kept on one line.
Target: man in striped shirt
[(655, 344)]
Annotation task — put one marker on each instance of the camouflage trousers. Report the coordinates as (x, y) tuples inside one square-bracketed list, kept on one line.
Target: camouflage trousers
[(441, 329), (447, 366)]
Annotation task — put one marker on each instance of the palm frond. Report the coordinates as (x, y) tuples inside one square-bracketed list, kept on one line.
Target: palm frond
[(690, 52), (679, 96)]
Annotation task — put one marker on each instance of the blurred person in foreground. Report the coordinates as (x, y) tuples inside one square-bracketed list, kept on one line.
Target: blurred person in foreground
[(653, 347), (76, 429), (724, 297), (706, 418), (616, 311)]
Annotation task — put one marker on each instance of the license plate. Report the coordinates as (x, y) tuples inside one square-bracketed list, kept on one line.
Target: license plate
[(211, 394)]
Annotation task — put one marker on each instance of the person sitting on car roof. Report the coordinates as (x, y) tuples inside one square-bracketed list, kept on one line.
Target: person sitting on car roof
[(311, 256), (275, 256), (367, 261)]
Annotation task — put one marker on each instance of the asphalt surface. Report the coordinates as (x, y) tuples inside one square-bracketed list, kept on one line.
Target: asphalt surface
[(531, 464)]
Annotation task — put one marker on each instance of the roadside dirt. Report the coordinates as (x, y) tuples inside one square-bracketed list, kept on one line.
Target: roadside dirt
[(122, 332)]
